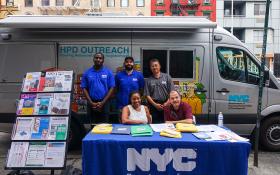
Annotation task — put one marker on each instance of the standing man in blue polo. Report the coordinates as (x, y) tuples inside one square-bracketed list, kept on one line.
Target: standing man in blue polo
[(127, 81), (98, 85)]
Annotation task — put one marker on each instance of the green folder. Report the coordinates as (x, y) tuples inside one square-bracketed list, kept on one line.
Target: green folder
[(141, 130)]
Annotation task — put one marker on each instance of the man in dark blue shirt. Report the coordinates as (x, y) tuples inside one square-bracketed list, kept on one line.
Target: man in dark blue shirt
[(98, 84), (127, 81)]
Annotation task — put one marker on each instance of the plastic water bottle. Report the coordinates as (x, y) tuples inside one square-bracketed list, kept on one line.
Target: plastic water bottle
[(220, 119)]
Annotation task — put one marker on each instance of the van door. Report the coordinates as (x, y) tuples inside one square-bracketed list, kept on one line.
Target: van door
[(236, 77), (15, 60)]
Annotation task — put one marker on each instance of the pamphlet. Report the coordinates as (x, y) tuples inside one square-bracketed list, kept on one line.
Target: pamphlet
[(60, 104), (40, 128), (141, 130), (42, 104), (63, 81), (49, 81), (26, 104), (102, 129), (55, 154), (58, 128), (161, 126), (121, 130), (31, 82), (184, 127), (36, 154), (22, 128), (17, 154), (170, 133)]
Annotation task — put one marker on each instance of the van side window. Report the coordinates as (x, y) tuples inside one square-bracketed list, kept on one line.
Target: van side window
[(178, 63), (253, 71), (231, 64), (236, 65), (161, 55), (181, 64)]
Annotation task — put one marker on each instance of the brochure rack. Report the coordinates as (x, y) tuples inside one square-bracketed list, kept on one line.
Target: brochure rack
[(41, 130)]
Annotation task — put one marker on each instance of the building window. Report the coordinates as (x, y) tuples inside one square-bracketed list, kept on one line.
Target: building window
[(45, 3), (191, 1), (28, 3), (159, 1), (175, 1), (110, 3), (140, 3), (159, 13), (75, 2), (258, 36), (259, 9), (9, 3), (124, 3), (95, 3), (207, 14), (59, 2), (206, 1), (191, 13)]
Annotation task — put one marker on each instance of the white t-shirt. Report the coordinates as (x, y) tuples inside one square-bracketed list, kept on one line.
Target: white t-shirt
[(137, 115)]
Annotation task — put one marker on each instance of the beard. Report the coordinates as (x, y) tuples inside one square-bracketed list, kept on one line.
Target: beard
[(128, 68)]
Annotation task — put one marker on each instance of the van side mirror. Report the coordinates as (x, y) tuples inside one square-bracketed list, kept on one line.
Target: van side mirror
[(266, 78)]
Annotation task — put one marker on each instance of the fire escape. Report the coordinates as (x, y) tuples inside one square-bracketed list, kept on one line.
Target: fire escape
[(177, 8)]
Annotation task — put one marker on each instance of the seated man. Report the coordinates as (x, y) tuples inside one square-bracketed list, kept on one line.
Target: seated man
[(177, 111)]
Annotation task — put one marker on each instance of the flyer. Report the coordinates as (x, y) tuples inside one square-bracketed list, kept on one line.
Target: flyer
[(63, 81), (49, 81), (36, 154), (17, 154), (42, 104), (40, 128), (26, 104), (55, 154), (22, 128), (58, 128), (31, 82), (60, 104)]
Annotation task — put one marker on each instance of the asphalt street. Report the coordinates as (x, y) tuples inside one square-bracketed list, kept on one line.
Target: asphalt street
[(268, 161)]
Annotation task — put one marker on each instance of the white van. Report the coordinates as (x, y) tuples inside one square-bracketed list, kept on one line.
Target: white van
[(213, 70)]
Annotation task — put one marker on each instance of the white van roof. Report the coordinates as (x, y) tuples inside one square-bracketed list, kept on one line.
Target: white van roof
[(136, 22)]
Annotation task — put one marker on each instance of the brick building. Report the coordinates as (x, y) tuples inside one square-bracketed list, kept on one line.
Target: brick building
[(184, 8)]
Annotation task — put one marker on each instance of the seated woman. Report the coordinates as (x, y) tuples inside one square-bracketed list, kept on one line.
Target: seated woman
[(135, 113), (177, 111)]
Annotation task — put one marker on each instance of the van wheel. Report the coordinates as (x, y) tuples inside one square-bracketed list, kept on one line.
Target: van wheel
[(270, 133), (75, 136)]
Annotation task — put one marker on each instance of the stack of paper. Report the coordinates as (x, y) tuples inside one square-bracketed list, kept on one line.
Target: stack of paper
[(170, 133), (102, 129), (184, 127), (161, 126), (123, 130), (141, 130)]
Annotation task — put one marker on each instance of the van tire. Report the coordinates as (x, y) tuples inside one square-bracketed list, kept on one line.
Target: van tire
[(75, 136), (270, 133)]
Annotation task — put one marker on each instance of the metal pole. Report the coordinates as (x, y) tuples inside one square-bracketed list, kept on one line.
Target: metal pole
[(256, 151), (231, 17)]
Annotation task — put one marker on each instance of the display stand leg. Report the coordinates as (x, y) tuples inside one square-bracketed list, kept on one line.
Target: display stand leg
[(52, 172)]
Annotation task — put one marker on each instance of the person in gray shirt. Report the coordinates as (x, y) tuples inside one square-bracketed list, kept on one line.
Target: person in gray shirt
[(157, 89)]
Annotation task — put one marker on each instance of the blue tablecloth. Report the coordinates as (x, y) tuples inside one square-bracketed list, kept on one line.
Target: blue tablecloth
[(107, 154)]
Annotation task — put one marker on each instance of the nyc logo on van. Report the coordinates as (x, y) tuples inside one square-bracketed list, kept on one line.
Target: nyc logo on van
[(240, 99), (143, 159)]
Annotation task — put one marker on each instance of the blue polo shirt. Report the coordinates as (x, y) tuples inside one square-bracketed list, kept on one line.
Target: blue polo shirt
[(126, 84), (98, 82)]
